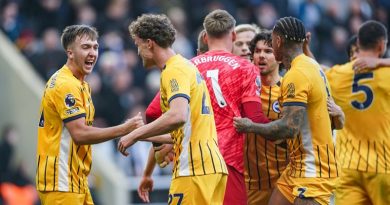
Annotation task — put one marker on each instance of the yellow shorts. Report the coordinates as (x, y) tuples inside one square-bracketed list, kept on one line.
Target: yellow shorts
[(259, 197), (205, 189), (320, 189), (56, 197), (363, 188)]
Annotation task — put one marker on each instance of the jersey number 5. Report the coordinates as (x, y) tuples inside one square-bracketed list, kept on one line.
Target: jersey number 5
[(362, 88), (213, 75)]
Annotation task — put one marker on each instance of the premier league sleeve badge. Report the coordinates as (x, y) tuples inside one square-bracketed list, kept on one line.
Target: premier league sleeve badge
[(70, 101)]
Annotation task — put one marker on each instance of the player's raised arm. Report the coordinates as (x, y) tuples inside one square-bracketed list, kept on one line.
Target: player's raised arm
[(367, 64)]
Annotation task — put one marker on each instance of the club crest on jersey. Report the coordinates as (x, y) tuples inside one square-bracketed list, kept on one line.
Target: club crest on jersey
[(258, 82), (70, 101), (258, 85), (291, 90), (275, 107), (174, 85)]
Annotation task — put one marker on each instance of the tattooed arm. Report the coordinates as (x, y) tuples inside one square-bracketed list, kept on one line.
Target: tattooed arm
[(286, 127)]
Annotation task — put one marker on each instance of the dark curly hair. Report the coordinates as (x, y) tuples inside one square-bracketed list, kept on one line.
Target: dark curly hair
[(156, 27), (351, 42), (263, 35)]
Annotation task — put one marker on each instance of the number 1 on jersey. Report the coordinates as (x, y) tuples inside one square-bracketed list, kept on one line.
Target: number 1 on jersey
[(213, 74)]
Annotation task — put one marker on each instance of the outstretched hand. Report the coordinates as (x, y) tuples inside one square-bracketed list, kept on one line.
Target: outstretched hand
[(242, 124), (129, 139), (125, 142), (145, 186)]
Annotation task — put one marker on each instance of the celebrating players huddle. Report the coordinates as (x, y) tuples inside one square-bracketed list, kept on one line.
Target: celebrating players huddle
[(236, 131)]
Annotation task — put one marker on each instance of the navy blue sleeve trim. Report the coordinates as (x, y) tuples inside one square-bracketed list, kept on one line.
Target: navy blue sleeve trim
[(179, 95), (74, 117), (294, 104)]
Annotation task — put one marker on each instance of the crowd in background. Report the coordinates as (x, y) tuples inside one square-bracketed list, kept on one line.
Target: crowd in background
[(120, 86)]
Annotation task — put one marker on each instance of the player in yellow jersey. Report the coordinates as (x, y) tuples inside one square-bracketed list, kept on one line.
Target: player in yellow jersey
[(199, 171), (265, 161), (312, 169), (364, 98), (364, 64), (65, 131), (161, 154)]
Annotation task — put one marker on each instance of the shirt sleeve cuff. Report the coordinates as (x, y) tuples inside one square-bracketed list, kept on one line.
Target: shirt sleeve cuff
[(179, 95), (295, 104), (74, 117)]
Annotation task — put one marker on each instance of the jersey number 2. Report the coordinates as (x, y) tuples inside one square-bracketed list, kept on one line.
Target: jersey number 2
[(180, 197), (362, 88)]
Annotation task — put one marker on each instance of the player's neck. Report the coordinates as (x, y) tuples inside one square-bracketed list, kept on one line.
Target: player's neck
[(290, 53), (162, 55), (368, 53), (220, 45), (270, 79), (75, 71)]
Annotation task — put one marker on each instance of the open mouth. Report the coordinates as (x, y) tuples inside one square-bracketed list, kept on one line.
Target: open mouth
[(89, 63), (262, 65)]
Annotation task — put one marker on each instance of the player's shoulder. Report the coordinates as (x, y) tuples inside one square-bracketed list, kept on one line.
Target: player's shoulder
[(64, 81), (383, 70), (178, 62), (340, 70), (305, 64), (58, 79), (297, 75)]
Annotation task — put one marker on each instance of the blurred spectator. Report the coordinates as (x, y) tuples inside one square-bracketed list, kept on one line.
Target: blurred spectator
[(15, 186), (10, 20), (50, 46), (115, 17), (334, 51), (310, 13), (9, 138), (86, 14), (181, 45), (359, 11), (45, 14), (266, 15)]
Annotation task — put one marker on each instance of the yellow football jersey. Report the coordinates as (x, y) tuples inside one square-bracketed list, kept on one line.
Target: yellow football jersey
[(195, 143), (264, 160), (312, 152), (364, 99), (61, 164)]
